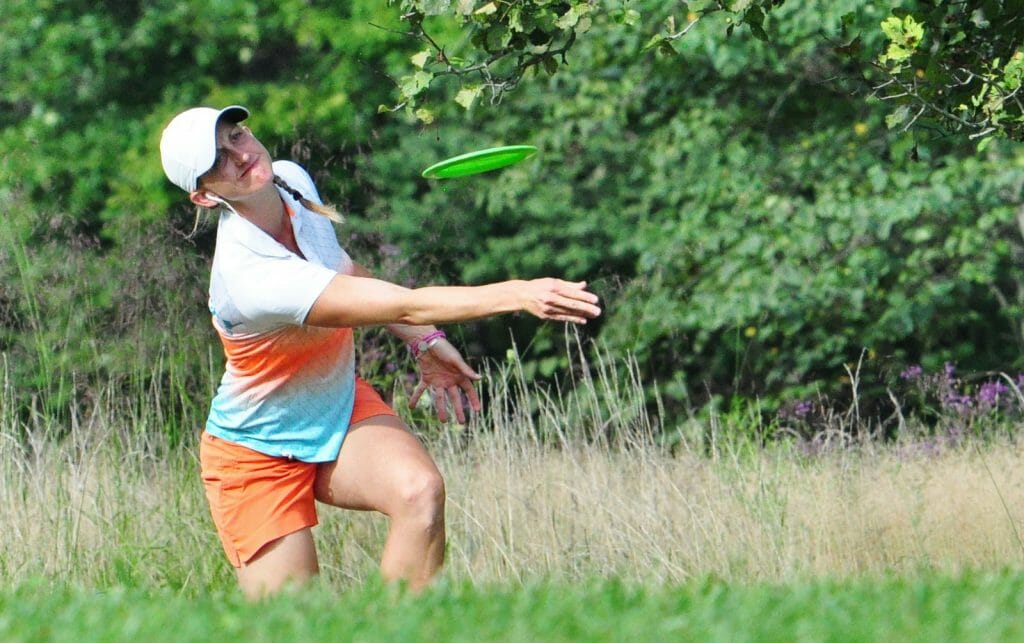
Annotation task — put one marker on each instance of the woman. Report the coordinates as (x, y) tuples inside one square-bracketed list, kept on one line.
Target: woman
[(291, 422)]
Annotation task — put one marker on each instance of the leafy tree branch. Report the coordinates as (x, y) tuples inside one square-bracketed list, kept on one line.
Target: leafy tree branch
[(953, 64)]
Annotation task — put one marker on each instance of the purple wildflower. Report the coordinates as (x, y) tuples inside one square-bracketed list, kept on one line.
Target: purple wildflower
[(957, 402), (798, 411), (912, 372), (989, 393)]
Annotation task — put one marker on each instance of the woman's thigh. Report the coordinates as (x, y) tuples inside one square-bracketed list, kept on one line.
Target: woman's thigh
[(380, 464), (291, 558)]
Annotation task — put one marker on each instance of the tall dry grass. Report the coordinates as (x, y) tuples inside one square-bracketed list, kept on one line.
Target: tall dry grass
[(567, 484)]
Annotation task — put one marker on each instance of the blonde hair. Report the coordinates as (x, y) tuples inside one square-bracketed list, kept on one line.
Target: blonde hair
[(200, 210), (326, 210)]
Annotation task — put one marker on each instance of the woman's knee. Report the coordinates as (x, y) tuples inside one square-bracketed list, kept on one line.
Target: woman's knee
[(421, 494)]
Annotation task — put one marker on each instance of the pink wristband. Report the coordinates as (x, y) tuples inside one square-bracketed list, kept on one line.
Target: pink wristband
[(424, 343)]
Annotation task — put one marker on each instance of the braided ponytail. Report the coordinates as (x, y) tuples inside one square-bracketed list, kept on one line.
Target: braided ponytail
[(324, 210)]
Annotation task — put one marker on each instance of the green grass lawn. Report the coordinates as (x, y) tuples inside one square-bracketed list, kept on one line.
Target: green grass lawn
[(967, 607)]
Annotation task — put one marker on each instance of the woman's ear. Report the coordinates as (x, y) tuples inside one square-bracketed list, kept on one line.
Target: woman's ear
[(204, 199)]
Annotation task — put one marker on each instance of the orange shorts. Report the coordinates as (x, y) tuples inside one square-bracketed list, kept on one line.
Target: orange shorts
[(256, 498)]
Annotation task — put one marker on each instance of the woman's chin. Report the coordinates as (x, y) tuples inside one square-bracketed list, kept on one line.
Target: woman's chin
[(260, 176)]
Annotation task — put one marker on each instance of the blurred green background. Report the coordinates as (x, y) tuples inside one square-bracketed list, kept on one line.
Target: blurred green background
[(754, 228)]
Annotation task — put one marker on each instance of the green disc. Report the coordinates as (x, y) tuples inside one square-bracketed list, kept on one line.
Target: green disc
[(479, 161)]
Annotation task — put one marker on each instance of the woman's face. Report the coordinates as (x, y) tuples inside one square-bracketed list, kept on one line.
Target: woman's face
[(242, 166)]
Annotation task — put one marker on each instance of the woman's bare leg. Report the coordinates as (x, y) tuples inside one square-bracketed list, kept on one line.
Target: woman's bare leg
[(290, 559), (384, 467)]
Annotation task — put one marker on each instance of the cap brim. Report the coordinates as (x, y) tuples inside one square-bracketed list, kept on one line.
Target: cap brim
[(233, 114)]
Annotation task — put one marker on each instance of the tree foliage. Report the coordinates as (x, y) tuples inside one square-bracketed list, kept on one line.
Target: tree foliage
[(951, 64), (494, 44), (956, 64), (753, 225)]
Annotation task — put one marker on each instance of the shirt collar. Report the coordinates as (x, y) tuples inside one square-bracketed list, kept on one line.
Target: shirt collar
[(251, 236)]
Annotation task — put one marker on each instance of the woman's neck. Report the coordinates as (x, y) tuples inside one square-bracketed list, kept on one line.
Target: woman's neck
[(267, 211), (264, 209)]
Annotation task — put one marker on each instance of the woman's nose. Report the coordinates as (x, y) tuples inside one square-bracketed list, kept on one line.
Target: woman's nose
[(241, 157)]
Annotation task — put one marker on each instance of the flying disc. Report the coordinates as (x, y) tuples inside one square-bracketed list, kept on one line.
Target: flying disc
[(479, 161)]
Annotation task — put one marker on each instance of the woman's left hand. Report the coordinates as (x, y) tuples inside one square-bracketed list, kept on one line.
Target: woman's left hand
[(447, 375)]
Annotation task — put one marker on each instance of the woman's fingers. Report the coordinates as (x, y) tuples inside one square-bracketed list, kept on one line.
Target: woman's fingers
[(471, 394), (456, 401), (566, 301), (453, 396), (417, 393), (578, 289), (440, 403)]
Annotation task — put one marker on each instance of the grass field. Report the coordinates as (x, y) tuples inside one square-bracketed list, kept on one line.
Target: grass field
[(556, 531), (969, 607)]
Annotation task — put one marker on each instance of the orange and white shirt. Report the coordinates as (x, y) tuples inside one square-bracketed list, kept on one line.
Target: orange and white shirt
[(287, 388)]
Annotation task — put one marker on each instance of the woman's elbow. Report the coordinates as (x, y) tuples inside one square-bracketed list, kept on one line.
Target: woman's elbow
[(414, 318)]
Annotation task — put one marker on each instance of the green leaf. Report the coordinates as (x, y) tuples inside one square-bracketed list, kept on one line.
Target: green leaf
[(656, 41), (412, 85), (515, 19), (754, 16), (904, 38), (435, 7), (468, 95), (1013, 73), (420, 59), (913, 31), (892, 27), (486, 10), (569, 18), (628, 17), (897, 117), (759, 32)]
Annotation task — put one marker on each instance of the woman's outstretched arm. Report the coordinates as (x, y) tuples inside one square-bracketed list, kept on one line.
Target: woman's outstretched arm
[(351, 301)]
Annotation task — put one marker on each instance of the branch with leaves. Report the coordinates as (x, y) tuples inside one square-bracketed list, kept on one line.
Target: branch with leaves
[(956, 64), (959, 64), (505, 39)]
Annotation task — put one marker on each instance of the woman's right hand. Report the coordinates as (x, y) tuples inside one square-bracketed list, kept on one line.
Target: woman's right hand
[(559, 300)]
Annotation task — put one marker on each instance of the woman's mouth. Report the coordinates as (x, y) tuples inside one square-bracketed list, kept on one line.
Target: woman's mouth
[(251, 165)]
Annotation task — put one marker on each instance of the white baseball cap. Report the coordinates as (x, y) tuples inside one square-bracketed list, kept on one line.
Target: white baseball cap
[(188, 146)]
